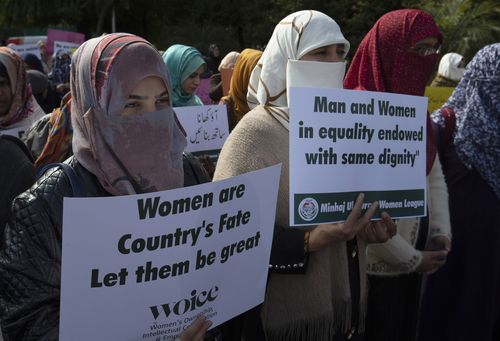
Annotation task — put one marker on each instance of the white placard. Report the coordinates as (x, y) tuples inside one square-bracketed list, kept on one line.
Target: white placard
[(65, 46), (17, 132), (206, 127), (344, 142), (27, 48), (142, 267)]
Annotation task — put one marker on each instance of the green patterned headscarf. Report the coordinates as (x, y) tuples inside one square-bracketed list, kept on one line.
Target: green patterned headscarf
[(181, 62)]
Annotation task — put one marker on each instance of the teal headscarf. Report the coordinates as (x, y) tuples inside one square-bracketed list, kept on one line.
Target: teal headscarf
[(181, 62)]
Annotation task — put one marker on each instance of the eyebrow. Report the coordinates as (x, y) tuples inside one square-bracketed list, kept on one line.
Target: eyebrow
[(163, 94), (137, 97), (132, 96)]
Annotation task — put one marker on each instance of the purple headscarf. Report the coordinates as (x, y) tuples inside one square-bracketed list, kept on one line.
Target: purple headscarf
[(476, 104)]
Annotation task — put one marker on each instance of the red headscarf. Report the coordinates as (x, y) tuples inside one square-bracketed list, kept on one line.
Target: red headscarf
[(384, 63), (128, 154)]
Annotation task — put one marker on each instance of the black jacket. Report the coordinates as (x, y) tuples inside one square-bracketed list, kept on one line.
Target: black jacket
[(30, 258), (17, 174)]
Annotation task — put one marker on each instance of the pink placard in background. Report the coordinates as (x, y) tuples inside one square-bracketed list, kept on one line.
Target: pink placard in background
[(203, 91), (67, 36)]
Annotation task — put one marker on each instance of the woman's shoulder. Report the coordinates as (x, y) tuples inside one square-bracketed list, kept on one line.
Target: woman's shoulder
[(58, 181), (259, 123), (257, 141)]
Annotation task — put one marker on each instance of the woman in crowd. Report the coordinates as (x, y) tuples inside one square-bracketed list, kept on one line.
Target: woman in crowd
[(126, 140), (213, 59), (59, 75), (227, 63), (316, 289), (46, 58), (43, 92), (229, 60), (236, 100), (32, 62), (451, 68), (185, 66), (18, 110), (462, 301), (18, 107), (398, 55)]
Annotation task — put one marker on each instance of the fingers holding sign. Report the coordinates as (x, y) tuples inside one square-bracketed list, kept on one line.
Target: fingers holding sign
[(196, 331), (355, 224), (379, 231)]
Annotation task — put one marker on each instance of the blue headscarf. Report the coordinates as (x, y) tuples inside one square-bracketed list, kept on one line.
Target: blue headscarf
[(181, 62), (476, 104)]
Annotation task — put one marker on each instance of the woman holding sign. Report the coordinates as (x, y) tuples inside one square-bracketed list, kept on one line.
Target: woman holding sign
[(398, 55), (126, 140), (316, 289)]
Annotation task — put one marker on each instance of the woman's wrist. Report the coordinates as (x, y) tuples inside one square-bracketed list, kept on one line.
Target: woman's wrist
[(307, 235), (317, 239)]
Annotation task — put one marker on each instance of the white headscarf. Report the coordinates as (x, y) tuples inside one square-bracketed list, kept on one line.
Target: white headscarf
[(229, 60), (448, 66), (296, 35)]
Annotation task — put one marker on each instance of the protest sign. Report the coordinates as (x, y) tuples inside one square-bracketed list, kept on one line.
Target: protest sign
[(17, 132), (142, 267), (65, 46), (344, 142), (437, 96), (206, 127), (26, 48), (59, 35)]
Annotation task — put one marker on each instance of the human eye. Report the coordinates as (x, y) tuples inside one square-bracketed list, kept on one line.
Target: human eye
[(319, 52), (162, 102), (131, 105)]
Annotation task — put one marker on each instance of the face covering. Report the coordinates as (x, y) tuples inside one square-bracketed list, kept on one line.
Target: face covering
[(310, 74), (143, 148)]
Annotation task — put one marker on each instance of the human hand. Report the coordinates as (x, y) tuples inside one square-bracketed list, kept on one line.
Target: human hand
[(379, 231), (432, 261), (196, 331), (323, 235), (439, 243)]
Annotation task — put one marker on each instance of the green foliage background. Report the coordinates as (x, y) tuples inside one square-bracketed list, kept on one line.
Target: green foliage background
[(467, 24)]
